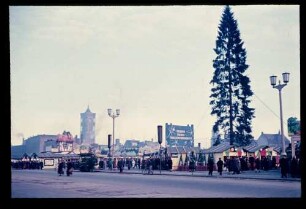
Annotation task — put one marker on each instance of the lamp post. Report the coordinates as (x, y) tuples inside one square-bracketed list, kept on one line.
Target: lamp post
[(113, 115), (279, 87), (160, 140)]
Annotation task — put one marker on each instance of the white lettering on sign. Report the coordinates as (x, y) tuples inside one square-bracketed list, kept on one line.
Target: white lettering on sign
[(181, 137)]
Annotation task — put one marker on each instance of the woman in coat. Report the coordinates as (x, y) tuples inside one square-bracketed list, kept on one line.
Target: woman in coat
[(60, 169), (69, 168)]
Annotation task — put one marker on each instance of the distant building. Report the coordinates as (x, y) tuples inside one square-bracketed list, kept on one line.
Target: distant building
[(36, 144), (131, 144), (44, 143), (51, 146), (88, 127), (77, 140), (64, 142), (272, 140), (17, 151)]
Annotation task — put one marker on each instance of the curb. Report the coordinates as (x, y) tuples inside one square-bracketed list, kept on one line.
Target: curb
[(215, 176)]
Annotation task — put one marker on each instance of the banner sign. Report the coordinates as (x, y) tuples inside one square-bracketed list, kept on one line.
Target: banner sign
[(179, 135)]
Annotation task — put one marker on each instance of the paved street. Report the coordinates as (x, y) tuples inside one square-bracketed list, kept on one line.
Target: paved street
[(47, 184)]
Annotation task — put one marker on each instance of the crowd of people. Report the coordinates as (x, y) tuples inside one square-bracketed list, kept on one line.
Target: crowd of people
[(20, 164), (136, 163), (236, 165), (233, 165)]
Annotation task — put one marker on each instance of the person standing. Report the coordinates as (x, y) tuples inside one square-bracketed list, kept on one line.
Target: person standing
[(220, 166), (120, 165), (284, 166), (170, 164), (293, 167), (258, 165), (41, 165), (210, 165)]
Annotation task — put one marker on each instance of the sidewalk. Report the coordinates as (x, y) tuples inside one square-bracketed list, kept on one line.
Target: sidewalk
[(263, 175)]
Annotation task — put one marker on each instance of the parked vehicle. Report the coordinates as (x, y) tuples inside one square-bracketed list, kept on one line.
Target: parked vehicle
[(88, 162)]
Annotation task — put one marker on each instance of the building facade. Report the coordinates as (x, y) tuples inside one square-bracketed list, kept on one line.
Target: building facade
[(272, 140), (65, 142), (88, 127), (36, 144)]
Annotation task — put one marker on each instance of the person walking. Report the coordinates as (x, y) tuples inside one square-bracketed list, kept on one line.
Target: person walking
[(210, 165), (220, 166), (60, 169), (69, 168), (150, 166)]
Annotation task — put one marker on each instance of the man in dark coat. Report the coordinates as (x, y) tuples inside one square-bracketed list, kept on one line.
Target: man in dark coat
[(210, 165), (284, 166), (120, 165), (220, 166), (170, 164), (252, 161), (293, 167), (258, 164)]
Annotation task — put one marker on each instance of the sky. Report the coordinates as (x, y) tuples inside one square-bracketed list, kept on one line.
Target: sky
[(154, 63)]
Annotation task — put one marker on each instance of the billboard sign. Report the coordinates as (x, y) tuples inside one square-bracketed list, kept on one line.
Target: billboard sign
[(177, 135)]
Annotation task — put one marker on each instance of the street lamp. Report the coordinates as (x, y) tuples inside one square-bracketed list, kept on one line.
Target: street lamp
[(113, 115), (279, 87), (160, 140)]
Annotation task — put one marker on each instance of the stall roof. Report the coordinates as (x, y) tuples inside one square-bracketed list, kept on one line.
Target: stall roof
[(56, 155), (277, 149), (183, 149), (223, 146), (172, 150), (253, 147)]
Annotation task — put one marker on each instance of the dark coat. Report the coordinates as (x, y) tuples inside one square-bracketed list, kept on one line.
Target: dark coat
[(170, 164), (210, 165), (283, 163), (69, 168), (220, 165), (60, 169)]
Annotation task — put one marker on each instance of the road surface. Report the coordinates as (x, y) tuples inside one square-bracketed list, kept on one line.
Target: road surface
[(47, 184)]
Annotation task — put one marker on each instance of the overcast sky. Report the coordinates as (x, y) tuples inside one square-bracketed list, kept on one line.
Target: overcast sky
[(153, 63)]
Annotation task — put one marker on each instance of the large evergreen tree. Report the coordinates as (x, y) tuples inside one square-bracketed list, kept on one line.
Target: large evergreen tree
[(231, 90)]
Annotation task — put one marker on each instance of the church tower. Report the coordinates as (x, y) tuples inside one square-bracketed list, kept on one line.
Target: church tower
[(88, 127)]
